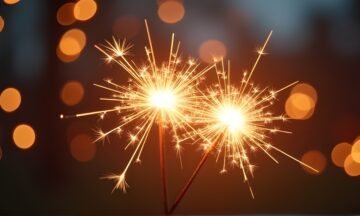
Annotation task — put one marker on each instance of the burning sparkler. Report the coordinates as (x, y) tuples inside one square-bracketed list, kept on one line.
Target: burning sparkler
[(156, 94), (234, 121)]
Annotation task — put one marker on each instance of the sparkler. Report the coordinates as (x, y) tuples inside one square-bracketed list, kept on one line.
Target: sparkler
[(234, 121), (156, 94)]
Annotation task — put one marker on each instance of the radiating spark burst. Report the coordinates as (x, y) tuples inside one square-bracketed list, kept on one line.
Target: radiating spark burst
[(155, 94), (234, 121)]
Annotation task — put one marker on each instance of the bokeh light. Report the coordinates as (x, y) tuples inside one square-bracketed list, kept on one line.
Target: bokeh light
[(171, 11), (10, 99), (85, 9), (126, 26), (72, 42), (1, 153), (306, 89), (355, 151), (299, 106), (301, 102), (315, 159), (82, 148), (72, 93), (339, 153), (11, 1), (65, 14), (351, 167), (2, 23), (66, 58), (212, 50), (24, 136)]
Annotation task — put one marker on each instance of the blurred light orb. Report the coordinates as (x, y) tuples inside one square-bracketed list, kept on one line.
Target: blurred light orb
[(171, 11), (299, 106), (85, 9), (66, 58), (351, 167), (306, 89), (11, 1), (339, 153), (82, 148), (72, 93), (65, 14), (126, 26), (72, 42), (2, 23), (24, 136), (212, 51), (315, 159), (355, 151), (10, 99)]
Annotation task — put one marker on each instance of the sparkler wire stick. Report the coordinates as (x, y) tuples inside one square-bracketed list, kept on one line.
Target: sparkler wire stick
[(163, 164), (190, 180)]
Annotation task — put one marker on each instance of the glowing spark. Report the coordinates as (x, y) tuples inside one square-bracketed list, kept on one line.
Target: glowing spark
[(234, 122), (163, 94)]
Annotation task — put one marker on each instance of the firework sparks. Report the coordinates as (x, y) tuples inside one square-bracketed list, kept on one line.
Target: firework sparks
[(156, 94), (234, 121)]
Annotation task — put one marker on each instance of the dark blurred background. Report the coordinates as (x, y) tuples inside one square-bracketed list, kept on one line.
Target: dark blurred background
[(315, 42)]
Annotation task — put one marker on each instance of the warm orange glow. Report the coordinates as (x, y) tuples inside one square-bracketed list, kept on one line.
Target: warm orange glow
[(65, 14), (85, 9), (355, 151), (212, 50), (2, 23), (352, 168), (299, 106), (72, 42), (66, 58), (306, 89), (171, 11), (10, 99), (339, 153), (126, 26), (72, 93), (24, 136), (314, 159), (82, 148), (11, 1)]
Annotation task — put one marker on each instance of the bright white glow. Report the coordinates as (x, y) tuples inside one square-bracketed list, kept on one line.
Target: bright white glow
[(232, 118), (163, 99)]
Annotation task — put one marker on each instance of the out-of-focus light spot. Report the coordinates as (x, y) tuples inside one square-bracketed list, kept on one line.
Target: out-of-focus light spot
[(355, 151), (126, 26), (24, 136), (351, 167), (1, 153), (171, 11), (72, 93), (10, 99), (2, 23), (339, 153), (65, 14), (11, 1), (212, 50), (82, 148), (72, 42), (314, 159), (306, 89), (85, 9), (299, 106), (66, 58)]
